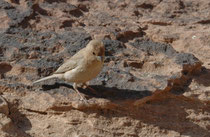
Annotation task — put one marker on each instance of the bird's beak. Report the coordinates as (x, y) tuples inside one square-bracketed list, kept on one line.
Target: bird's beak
[(100, 58)]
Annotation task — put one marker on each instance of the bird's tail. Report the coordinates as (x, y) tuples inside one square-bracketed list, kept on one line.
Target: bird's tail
[(60, 76)]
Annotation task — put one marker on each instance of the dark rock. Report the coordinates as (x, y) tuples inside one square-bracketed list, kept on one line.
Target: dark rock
[(4, 67), (135, 90), (186, 59), (125, 36), (154, 47), (112, 47), (3, 106)]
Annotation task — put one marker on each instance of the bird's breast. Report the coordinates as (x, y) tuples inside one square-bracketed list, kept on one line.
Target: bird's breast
[(84, 72)]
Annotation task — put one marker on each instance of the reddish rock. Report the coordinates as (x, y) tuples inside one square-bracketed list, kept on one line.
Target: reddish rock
[(4, 67), (3, 106), (155, 81)]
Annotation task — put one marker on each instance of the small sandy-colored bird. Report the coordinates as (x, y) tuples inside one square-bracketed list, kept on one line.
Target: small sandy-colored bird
[(82, 67)]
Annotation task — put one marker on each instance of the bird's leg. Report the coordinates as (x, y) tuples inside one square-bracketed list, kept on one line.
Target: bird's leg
[(75, 88), (86, 86)]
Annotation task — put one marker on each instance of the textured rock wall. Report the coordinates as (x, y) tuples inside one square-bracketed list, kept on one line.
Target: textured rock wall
[(155, 81)]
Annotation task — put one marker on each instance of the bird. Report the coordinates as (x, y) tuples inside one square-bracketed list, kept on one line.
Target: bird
[(82, 67)]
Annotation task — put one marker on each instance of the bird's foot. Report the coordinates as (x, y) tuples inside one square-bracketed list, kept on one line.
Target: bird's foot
[(82, 98)]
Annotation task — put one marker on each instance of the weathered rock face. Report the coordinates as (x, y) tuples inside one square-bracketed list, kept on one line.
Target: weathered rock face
[(155, 81)]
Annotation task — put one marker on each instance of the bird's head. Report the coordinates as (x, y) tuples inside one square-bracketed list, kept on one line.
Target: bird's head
[(96, 49)]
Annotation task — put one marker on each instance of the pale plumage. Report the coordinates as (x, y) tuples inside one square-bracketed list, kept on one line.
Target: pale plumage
[(83, 66)]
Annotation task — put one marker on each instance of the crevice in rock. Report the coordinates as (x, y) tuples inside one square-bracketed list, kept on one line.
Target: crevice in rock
[(36, 111), (160, 23), (52, 1), (61, 108), (204, 21)]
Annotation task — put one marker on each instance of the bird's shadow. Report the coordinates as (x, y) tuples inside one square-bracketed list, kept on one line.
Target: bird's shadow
[(111, 93)]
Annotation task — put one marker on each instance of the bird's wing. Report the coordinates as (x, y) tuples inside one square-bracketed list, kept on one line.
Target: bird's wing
[(71, 63)]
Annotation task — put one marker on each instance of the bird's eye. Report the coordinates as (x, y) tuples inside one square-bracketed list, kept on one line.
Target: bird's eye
[(94, 53)]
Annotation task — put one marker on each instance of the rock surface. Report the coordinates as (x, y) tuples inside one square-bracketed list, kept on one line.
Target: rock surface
[(155, 81)]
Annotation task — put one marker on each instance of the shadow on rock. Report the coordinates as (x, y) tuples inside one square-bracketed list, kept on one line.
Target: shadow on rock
[(172, 112), (163, 110), (110, 93), (21, 122)]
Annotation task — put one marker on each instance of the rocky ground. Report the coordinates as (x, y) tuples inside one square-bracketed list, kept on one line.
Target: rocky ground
[(155, 81)]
